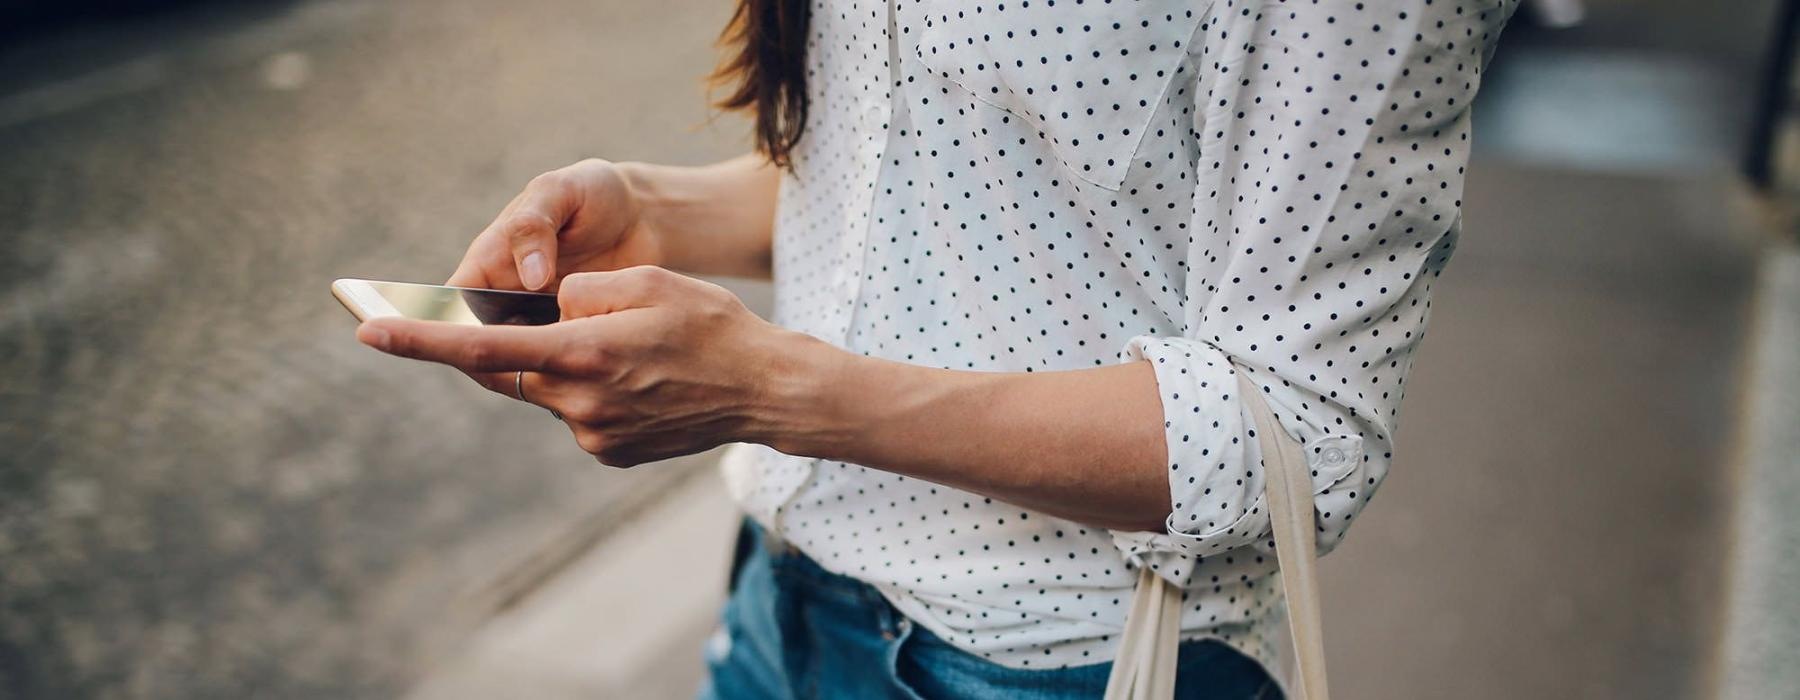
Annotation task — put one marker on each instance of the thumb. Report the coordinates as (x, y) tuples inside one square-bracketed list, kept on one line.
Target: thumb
[(532, 237), (532, 225)]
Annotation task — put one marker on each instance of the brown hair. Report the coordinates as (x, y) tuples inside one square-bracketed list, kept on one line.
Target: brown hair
[(765, 70)]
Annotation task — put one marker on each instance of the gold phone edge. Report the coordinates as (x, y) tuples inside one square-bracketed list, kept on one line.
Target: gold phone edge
[(339, 293)]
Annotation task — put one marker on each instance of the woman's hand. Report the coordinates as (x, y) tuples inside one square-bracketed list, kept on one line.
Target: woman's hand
[(647, 364), (581, 218)]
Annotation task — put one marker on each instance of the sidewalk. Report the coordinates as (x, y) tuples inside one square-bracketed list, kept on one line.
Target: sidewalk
[(1761, 643), (626, 620)]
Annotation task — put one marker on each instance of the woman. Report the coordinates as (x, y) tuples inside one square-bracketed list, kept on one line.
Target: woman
[(1020, 248)]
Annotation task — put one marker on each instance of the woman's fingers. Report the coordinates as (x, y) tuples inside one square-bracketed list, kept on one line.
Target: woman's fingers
[(469, 274), (531, 225), (518, 249), (577, 401), (471, 349), (487, 264), (548, 391), (498, 382), (597, 293)]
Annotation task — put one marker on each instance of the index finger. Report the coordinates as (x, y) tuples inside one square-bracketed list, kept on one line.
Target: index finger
[(469, 274), (520, 246), (487, 264), (470, 348)]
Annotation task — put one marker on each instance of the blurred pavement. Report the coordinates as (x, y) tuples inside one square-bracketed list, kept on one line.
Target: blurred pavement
[(627, 620), (210, 490), (1762, 628)]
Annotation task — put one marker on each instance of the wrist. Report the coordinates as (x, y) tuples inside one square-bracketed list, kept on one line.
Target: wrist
[(826, 402), (804, 407), (829, 403), (712, 220), (647, 187)]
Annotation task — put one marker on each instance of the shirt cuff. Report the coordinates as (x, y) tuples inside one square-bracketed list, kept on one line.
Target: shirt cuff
[(1215, 468)]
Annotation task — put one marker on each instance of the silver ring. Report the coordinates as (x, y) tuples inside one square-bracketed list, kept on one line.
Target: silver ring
[(519, 391)]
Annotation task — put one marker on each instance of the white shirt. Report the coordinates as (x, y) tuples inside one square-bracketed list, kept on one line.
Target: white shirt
[(1038, 185)]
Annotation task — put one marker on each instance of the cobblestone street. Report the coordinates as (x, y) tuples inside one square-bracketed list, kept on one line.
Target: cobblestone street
[(209, 487)]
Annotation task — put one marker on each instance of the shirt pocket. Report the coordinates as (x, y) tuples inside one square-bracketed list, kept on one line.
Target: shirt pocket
[(1087, 75)]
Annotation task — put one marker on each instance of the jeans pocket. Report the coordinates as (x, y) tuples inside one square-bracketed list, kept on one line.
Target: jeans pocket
[(897, 656)]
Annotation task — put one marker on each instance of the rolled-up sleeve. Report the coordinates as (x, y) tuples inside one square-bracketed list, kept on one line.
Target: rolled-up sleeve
[(1333, 139)]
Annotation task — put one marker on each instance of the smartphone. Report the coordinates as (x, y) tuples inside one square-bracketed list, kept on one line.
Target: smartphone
[(368, 299)]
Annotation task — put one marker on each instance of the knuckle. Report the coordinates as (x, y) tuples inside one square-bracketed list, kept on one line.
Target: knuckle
[(401, 344), (578, 282), (718, 304), (523, 225), (648, 276), (487, 380), (587, 164), (717, 307), (475, 355), (579, 363), (548, 178), (581, 358), (592, 442), (585, 410)]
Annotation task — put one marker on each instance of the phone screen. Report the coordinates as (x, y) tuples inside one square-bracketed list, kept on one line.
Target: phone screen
[(483, 307)]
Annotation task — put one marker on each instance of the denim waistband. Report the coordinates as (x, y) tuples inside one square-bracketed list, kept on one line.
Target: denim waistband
[(859, 616)]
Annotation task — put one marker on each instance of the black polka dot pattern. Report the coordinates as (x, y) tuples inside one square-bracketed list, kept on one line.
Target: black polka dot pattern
[(1037, 185)]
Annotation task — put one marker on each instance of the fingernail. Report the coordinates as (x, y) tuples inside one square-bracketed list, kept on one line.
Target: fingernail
[(532, 272)]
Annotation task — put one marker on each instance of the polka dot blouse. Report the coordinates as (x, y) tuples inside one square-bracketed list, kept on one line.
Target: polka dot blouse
[(1036, 185)]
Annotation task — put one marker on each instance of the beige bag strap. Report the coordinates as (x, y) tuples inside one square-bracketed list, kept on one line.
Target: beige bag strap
[(1290, 494), (1144, 668)]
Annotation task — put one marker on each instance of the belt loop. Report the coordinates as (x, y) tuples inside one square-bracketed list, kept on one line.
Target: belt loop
[(893, 623)]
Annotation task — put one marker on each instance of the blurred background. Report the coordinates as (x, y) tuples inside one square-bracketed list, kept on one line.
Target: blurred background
[(209, 490)]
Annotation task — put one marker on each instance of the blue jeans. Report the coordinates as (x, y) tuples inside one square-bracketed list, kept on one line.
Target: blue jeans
[(793, 630)]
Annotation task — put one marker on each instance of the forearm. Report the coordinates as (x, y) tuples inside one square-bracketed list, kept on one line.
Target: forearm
[(711, 220), (1086, 445)]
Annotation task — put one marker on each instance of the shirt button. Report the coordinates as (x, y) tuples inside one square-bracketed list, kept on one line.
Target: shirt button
[(872, 116), (1333, 455)]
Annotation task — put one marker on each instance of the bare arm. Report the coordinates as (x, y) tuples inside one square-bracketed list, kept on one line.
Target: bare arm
[(711, 220), (1086, 445)]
